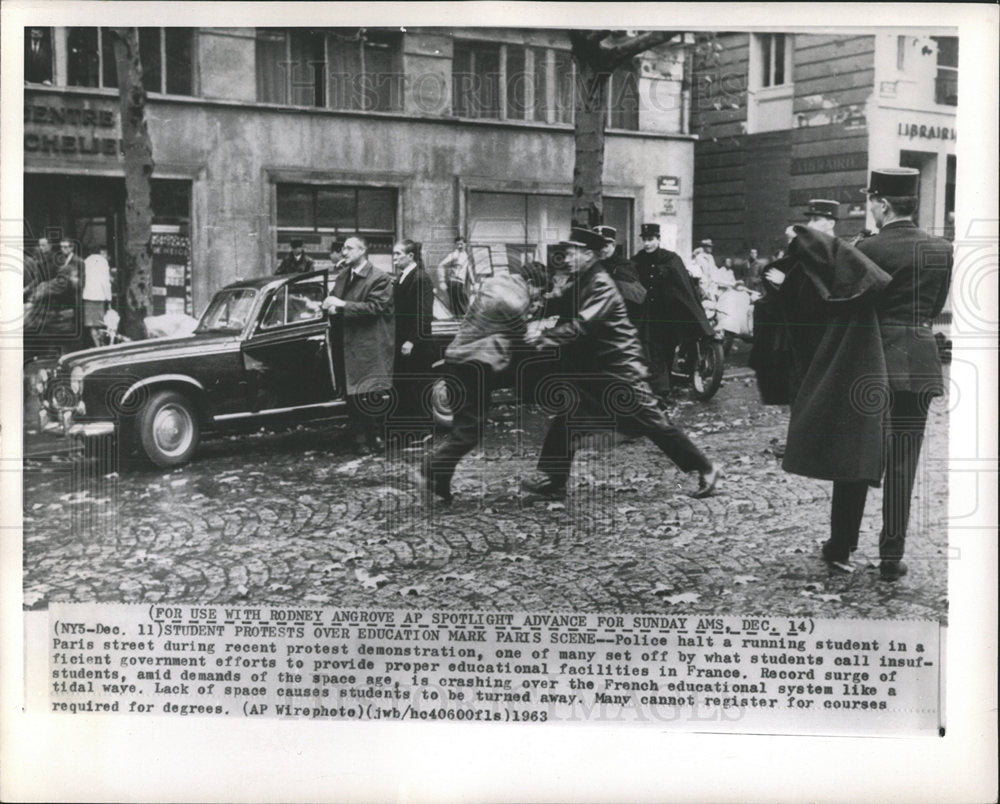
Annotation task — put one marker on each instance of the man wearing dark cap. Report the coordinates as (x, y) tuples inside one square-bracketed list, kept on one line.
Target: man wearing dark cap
[(623, 272), (296, 262), (822, 214), (490, 336), (600, 351), (920, 266), (673, 311)]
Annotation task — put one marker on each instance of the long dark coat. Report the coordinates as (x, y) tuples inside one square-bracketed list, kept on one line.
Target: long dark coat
[(671, 300), (413, 303), (364, 330), (920, 266), (839, 381)]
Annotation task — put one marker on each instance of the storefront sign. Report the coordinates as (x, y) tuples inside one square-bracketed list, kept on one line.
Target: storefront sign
[(833, 163), (668, 185), (57, 130), (913, 131)]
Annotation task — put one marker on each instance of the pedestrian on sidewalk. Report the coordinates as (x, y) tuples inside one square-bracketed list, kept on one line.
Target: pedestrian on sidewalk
[(488, 341), (601, 355), (455, 277), (96, 292)]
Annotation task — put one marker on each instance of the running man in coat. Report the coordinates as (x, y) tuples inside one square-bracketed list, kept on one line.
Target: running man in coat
[(600, 348), (489, 339), (363, 338)]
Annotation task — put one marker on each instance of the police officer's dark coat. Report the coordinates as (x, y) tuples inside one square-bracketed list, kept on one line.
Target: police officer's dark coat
[(920, 266), (840, 384), (670, 295), (290, 265)]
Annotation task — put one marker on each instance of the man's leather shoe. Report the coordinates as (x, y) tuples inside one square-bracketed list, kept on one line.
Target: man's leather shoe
[(548, 488), (892, 570), (708, 482), (835, 559)]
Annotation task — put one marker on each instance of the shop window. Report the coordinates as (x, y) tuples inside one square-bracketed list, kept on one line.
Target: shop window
[(520, 226), (946, 81), (337, 68), (769, 84), (165, 54), (38, 55), (325, 215)]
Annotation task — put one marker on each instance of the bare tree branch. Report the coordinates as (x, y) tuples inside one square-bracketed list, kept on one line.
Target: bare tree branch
[(617, 54)]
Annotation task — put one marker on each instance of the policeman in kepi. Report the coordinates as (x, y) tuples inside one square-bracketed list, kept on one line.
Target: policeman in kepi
[(920, 266), (821, 214), (623, 272)]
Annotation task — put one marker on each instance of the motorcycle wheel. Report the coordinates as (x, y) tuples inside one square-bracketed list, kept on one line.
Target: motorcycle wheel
[(706, 371)]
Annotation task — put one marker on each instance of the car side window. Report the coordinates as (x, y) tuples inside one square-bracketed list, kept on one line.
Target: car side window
[(293, 304)]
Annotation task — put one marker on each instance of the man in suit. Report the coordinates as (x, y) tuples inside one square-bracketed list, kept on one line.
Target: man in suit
[(673, 311), (413, 302), (920, 266), (296, 261), (363, 337), (38, 57)]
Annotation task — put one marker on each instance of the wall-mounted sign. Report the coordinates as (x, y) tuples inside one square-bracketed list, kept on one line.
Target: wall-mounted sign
[(834, 163), (61, 129), (669, 206), (668, 185), (913, 131)]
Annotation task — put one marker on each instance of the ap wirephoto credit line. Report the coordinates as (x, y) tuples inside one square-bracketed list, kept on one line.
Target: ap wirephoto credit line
[(525, 375)]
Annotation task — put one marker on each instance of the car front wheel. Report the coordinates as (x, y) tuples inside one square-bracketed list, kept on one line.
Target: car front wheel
[(168, 429)]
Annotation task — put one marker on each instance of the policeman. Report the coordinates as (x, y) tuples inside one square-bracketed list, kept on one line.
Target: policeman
[(623, 272), (673, 311), (920, 266), (821, 214)]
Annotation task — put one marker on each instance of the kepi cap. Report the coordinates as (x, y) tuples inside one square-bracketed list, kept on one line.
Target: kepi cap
[(584, 238), (649, 230), (296, 243), (609, 233), (823, 208), (894, 181)]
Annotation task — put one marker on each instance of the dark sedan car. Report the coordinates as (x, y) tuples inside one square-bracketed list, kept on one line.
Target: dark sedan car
[(261, 354)]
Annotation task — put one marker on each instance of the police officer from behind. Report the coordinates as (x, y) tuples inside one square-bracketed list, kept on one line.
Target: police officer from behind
[(673, 311), (920, 266), (623, 272)]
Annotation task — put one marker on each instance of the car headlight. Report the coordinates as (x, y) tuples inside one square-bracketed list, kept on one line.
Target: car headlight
[(76, 380)]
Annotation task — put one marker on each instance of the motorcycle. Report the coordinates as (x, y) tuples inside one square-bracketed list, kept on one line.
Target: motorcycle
[(700, 362)]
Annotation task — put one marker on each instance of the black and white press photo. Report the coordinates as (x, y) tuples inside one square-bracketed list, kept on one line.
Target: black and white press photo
[(523, 369)]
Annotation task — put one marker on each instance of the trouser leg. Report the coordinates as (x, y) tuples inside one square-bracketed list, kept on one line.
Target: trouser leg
[(903, 441), (475, 383), (556, 458), (673, 442), (365, 420), (846, 511)]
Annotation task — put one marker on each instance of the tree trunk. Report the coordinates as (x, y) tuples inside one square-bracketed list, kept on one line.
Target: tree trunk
[(138, 155), (588, 169)]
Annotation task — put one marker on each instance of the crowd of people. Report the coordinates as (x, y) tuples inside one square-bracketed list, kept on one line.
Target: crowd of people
[(845, 341)]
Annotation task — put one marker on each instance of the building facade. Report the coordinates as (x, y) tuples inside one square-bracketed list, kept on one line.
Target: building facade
[(783, 118), (261, 135)]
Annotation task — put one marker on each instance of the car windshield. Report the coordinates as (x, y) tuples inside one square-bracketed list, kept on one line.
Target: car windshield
[(229, 311)]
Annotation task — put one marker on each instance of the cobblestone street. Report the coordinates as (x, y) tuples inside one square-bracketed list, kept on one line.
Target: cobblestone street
[(283, 518)]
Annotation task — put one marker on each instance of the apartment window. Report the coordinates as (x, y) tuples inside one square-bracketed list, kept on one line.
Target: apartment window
[(337, 68), (38, 55), (946, 81), (475, 77), (623, 99), (769, 84), (165, 53)]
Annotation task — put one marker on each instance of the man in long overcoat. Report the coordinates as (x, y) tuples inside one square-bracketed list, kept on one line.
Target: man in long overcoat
[(673, 312), (413, 304), (363, 337), (920, 266), (827, 292), (608, 374)]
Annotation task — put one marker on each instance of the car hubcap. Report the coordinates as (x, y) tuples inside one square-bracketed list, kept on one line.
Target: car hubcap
[(172, 429)]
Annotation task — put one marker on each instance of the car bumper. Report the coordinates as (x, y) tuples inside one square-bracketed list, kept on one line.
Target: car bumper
[(64, 425)]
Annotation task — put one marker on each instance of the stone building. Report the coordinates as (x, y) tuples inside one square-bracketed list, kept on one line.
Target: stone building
[(265, 134), (783, 118)]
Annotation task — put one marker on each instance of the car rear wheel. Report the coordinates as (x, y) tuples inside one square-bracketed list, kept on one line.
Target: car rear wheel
[(167, 429)]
